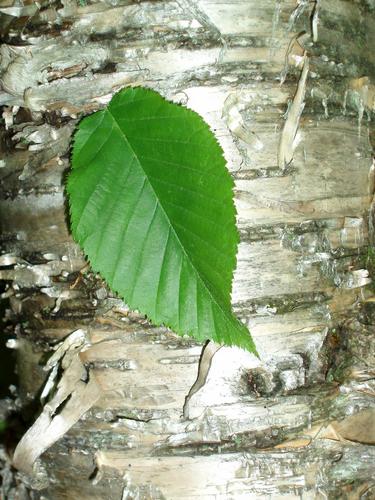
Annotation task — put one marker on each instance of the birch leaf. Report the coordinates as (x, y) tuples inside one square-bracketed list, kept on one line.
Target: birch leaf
[(151, 205)]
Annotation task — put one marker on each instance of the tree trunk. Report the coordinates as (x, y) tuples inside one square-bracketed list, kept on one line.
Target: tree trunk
[(288, 88)]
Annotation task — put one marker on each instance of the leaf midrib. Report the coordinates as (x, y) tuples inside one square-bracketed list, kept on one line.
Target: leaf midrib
[(201, 278)]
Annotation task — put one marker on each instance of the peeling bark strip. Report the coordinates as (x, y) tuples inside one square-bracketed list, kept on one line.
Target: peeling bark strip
[(289, 133), (208, 353), (295, 424), (76, 392)]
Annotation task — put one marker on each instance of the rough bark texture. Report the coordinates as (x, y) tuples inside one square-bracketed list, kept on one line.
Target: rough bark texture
[(288, 88)]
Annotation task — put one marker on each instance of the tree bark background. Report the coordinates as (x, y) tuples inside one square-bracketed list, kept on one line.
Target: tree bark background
[(288, 88)]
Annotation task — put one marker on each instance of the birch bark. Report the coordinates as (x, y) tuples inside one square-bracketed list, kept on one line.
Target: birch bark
[(288, 88)]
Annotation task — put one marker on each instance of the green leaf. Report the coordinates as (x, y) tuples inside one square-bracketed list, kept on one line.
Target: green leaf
[(151, 205)]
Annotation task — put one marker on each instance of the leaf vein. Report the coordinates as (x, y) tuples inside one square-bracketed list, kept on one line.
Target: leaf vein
[(201, 278)]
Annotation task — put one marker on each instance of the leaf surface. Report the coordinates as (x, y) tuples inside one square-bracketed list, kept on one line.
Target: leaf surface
[(151, 204)]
